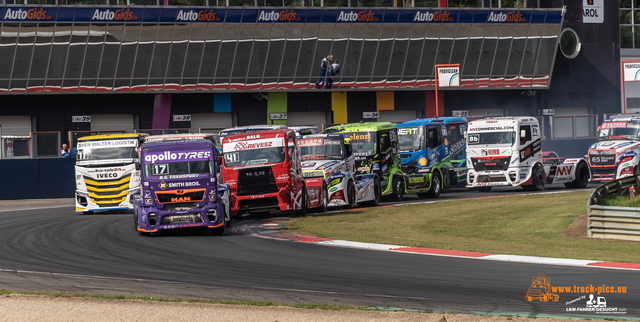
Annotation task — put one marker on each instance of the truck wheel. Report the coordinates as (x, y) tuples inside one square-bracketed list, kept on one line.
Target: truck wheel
[(136, 225), (446, 180), (377, 194), (538, 179), (582, 177), (436, 186), (218, 231), (303, 203), (398, 188), (325, 199), (484, 189), (351, 195)]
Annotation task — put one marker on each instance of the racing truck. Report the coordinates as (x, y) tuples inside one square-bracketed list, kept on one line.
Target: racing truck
[(507, 151), (432, 154), (179, 188), (107, 172), (328, 168), (617, 152), (375, 147), (264, 173)]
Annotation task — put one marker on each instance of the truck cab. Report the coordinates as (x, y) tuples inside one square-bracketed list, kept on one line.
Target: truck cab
[(507, 151), (328, 167), (179, 187), (263, 170), (433, 146), (107, 172), (375, 147), (617, 153)]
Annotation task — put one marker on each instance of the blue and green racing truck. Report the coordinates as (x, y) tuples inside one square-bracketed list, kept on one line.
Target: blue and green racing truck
[(375, 148), (432, 154)]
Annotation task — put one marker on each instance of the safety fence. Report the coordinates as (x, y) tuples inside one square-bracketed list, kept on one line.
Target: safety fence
[(37, 178), (613, 222)]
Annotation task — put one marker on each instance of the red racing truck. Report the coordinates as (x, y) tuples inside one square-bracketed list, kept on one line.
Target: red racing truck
[(264, 172)]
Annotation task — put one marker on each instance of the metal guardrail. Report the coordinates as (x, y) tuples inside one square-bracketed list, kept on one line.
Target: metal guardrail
[(613, 222)]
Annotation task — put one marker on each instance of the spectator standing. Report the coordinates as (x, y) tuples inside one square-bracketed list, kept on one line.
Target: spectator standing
[(324, 66), (334, 70), (65, 153)]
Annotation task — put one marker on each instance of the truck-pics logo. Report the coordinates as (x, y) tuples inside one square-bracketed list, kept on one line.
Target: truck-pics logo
[(437, 16), (358, 16), (31, 14), (284, 15), (117, 15), (542, 290), (197, 15)]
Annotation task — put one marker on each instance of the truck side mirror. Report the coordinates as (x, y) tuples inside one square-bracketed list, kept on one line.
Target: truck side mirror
[(523, 133)]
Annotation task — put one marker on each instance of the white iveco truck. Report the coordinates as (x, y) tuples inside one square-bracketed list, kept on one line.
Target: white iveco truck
[(107, 172), (507, 151)]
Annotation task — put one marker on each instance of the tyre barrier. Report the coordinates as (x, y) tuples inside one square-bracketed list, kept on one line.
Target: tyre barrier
[(613, 222)]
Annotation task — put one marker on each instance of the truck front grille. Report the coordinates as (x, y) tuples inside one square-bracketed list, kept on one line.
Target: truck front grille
[(491, 163), (256, 181), (108, 193)]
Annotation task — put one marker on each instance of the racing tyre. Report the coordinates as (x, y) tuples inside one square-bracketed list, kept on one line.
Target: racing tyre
[(582, 177), (446, 180), (537, 179), (136, 225), (398, 188), (218, 231), (303, 202), (325, 200), (484, 189), (351, 194), (436, 186), (377, 194)]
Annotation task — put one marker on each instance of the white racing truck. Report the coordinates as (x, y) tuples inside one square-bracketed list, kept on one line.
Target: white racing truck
[(507, 151), (107, 172)]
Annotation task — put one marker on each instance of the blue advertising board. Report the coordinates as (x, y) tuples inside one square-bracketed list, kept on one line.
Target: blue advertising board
[(157, 14)]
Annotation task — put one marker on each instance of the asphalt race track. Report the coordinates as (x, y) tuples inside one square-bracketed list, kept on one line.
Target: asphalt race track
[(59, 250)]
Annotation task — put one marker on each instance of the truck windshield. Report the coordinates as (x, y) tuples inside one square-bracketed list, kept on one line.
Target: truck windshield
[(492, 138), (321, 148), (253, 152), (174, 168), (619, 133), (363, 143), (411, 139)]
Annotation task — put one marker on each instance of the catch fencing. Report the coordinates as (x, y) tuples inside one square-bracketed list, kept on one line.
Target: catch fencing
[(613, 222)]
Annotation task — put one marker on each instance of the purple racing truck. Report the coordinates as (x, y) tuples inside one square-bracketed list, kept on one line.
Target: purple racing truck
[(179, 188)]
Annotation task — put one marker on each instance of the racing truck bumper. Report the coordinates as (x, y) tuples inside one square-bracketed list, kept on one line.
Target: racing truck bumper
[(603, 174), (280, 200), (152, 219), (86, 203), (511, 177)]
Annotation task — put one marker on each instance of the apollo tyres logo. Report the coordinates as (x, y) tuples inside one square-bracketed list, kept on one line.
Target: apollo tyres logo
[(435, 16), (197, 15), (273, 15), (31, 14), (362, 16), (114, 15)]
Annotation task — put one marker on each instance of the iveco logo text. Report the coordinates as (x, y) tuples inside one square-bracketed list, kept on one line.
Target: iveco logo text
[(106, 175), (31, 14), (509, 17), (118, 15), (427, 16), (360, 16), (193, 15), (284, 15)]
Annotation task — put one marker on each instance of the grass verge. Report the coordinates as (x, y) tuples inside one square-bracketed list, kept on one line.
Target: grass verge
[(532, 225), (161, 299), (620, 201)]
